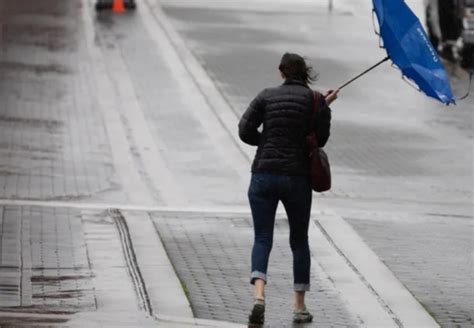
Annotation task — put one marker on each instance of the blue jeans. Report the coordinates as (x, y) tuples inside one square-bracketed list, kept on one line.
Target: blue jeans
[(295, 192)]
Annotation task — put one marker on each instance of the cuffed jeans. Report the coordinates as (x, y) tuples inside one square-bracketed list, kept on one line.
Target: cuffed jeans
[(295, 192)]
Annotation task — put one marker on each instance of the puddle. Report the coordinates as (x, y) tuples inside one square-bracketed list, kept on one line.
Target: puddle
[(32, 122), (57, 279), (38, 69), (30, 149), (52, 38), (62, 294), (35, 309), (29, 322)]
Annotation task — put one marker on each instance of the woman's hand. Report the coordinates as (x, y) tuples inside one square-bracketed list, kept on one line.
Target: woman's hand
[(330, 96)]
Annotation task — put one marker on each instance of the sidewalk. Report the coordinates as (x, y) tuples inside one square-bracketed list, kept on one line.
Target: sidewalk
[(74, 267), (123, 184), (90, 267)]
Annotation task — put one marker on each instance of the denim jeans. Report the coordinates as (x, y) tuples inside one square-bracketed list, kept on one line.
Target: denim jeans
[(295, 192)]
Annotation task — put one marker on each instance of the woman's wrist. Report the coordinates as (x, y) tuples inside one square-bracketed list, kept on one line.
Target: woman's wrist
[(330, 96)]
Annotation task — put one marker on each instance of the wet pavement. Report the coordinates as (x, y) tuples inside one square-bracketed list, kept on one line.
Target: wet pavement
[(211, 256), (52, 273), (402, 163), (49, 270), (100, 117), (52, 141), (439, 272)]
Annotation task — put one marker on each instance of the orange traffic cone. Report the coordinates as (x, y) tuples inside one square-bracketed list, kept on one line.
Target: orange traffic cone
[(118, 6)]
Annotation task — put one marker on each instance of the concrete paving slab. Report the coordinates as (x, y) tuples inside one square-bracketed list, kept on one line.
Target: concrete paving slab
[(51, 271), (439, 272), (209, 252), (50, 131)]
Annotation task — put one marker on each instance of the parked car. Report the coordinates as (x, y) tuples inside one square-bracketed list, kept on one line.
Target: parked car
[(450, 25)]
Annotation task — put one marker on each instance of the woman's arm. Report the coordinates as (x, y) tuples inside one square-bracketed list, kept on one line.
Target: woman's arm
[(323, 123), (251, 120)]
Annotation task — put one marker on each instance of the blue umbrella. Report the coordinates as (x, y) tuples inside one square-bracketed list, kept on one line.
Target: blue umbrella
[(409, 48)]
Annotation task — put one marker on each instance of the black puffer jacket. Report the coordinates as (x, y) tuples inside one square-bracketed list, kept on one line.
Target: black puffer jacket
[(285, 112)]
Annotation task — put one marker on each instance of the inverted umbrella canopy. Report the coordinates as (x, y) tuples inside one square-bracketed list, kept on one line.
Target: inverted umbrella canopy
[(410, 50)]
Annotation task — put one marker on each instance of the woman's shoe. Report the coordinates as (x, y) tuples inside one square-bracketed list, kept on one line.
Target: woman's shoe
[(257, 316), (302, 316)]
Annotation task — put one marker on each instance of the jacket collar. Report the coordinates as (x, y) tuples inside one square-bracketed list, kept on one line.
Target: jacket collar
[(290, 81)]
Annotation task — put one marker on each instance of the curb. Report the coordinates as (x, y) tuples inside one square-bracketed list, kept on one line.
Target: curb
[(161, 282), (223, 111), (216, 115), (360, 301), (390, 293), (196, 322), (124, 207)]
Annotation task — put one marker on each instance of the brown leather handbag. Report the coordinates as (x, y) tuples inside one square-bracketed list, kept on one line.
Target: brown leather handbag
[(319, 161)]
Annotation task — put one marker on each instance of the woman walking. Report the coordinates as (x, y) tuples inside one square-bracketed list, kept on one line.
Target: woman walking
[(281, 172)]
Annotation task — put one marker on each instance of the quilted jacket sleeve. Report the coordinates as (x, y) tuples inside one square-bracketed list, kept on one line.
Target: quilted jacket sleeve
[(323, 123), (251, 120)]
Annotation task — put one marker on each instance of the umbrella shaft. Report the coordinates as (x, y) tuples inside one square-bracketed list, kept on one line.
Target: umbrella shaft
[(364, 72)]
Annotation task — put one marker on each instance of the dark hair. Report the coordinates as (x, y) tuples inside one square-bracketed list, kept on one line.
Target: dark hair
[(293, 66)]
